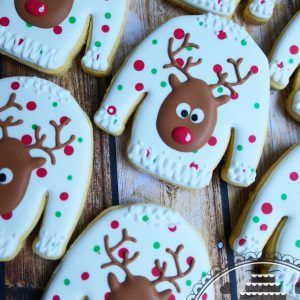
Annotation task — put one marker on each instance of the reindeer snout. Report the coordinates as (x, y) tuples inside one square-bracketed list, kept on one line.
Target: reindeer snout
[(36, 8), (183, 135)]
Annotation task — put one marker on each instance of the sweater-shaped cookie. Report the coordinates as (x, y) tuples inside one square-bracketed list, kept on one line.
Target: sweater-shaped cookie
[(46, 155), (193, 96), (270, 220), (285, 60), (48, 34), (142, 251), (257, 11)]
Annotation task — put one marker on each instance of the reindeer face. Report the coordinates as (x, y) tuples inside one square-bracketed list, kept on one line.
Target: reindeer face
[(16, 166), (44, 13), (187, 118)]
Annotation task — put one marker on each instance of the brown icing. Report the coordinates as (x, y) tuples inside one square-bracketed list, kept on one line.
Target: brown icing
[(16, 160), (44, 13), (139, 287), (188, 116)]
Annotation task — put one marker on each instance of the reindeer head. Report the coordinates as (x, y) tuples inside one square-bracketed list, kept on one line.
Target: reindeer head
[(188, 116), (16, 163), (44, 13), (139, 287)]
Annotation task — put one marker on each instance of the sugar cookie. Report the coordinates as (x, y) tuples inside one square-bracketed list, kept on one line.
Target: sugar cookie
[(194, 97), (142, 251), (48, 34), (46, 153), (259, 11), (270, 220)]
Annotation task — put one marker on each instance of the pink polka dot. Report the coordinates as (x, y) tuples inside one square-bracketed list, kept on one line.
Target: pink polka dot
[(267, 208), (294, 176), (139, 87), (252, 139), (4, 21), (114, 224), (15, 85), (64, 196), (85, 276), (180, 62), (190, 260), (204, 296), (7, 216), (172, 297), (41, 173), (26, 139), (242, 242), (217, 68), (31, 105), (139, 65), (56, 297), (222, 35), (111, 110), (212, 141), (69, 150), (264, 227), (172, 228), (105, 28), (63, 119), (179, 34), (155, 272), (294, 49), (122, 252), (57, 30), (107, 295), (234, 96), (254, 69)]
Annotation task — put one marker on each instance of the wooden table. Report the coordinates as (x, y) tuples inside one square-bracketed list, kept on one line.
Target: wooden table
[(213, 210)]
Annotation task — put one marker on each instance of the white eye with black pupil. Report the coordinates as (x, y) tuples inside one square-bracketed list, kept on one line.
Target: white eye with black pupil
[(197, 116), (6, 176), (183, 110)]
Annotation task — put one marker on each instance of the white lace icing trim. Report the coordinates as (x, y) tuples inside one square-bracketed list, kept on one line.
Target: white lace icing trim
[(262, 10), (266, 284), (109, 122), (241, 174), (296, 104), (280, 75), (263, 294), (93, 60), (9, 243)]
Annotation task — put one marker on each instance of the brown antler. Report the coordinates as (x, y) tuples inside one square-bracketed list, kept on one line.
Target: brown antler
[(8, 123), (180, 274), (11, 103), (223, 76), (39, 144), (172, 54), (125, 260)]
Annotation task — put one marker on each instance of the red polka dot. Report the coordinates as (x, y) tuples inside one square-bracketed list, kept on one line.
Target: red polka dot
[(139, 87), (4, 21), (57, 30), (180, 62), (294, 176), (7, 216), (105, 28), (31, 105), (172, 297), (26, 139), (212, 141), (264, 227), (139, 65), (252, 139), (69, 150), (41, 172), (217, 68), (122, 252), (64, 196), (254, 69), (107, 295), (111, 110), (56, 297), (15, 85), (294, 49), (155, 272), (204, 296), (242, 242), (267, 208), (63, 119), (179, 34), (114, 224), (190, 260), (85, 276), (222, 35), (234, 96), (172, 228)]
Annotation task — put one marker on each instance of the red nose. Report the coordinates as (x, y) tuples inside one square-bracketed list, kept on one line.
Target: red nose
[(183, 135), (36, 8)]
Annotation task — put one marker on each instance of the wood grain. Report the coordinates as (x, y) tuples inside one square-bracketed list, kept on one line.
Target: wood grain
[(213, 210)]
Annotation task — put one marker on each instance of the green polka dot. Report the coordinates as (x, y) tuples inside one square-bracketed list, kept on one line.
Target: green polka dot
[(108, 15), (188, 282), (156, 245), (252, 170), (291, 61), (145, 218), (96, 249), (58, 214), (72, 20), (67, 282), (256, 105), (98, 44), (256, 219), (80, 140), (34, 126), (163, 84), (298, 244), (28, 25), (195, 151), (240, 147), (220, 89), (244, 43), (120, 87), (201, 23), (70, 177), (154, 42), (284, 196), (54, 104), (154, 71), (203, 274), (189, 48)]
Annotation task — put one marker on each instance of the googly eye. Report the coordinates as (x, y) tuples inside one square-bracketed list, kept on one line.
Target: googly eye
[(6, 176), (183, 110), (197, 116)]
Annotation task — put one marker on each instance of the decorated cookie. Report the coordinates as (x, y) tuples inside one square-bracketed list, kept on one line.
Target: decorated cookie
[(259, 11), (45, 160), (139, 252), (285, 60), (48, 34), (270, 220), (194, 98)]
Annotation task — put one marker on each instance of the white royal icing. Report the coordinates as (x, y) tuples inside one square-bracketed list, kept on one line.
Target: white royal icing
[(65, 183), (49, 50), (262, 9), (248, 115), (278, 198), (286, 55), (155, 229)]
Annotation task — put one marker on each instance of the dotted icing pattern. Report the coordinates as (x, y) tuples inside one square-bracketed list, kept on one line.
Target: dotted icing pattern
[(51, 48), (278, 198), (65, 182), (143, 74), (154, 229)]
